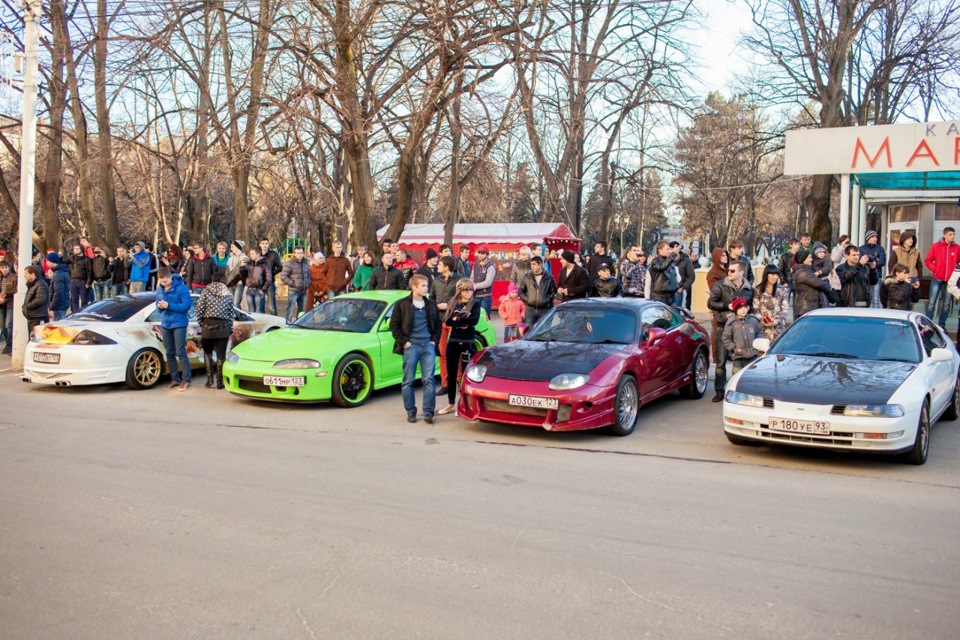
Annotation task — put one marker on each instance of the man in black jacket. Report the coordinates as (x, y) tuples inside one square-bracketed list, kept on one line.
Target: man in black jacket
[(664, 279), (537, 290), (36, 300), (687, 272), (574, 281), (721, 301), (386, 276), (81, 277), (199, 270), (272, 259), (600, 257), (856, 278), (415, 325)]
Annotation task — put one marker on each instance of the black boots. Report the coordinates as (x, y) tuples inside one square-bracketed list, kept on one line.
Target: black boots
[(219, 375), (208, 360)]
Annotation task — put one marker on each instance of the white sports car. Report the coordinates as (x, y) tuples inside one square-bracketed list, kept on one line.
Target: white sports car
[(118, 340), (848, 379)]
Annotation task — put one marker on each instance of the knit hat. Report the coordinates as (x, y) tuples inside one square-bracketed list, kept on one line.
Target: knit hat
[(568, 255), (432, 254), (511, 288), (870, 234), (736, 303), (319, 256), (819, 246), (53, 257), (239, 244), (802, 256)]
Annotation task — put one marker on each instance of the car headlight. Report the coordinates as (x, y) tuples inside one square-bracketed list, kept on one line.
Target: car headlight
[(233, 358), (476, 373), (745, 399), (567, 381), (296, 363), (874, 410)]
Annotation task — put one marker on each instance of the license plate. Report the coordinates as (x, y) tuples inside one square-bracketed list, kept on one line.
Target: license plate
[(534, 402), (813, 427), (47, 358), (284, 381)]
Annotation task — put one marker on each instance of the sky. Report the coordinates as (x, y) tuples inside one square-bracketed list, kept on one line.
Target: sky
[(721, 59)]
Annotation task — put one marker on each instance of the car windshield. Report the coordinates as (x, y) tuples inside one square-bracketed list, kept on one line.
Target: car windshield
[(352, 315), (118, 309), (850, 337), (589, 325)]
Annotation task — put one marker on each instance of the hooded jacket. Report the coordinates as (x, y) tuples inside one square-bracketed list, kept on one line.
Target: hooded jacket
[(822, 266), (511, 310), (898, 295), (177, 314), (739, 334), (257, 275), (909, 257), (722, 295), (878, 256), (60, 287), (718, 270), (786, 266), (140, 265)]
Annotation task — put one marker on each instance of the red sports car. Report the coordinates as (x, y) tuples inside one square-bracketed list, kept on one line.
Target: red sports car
[(588, 364)]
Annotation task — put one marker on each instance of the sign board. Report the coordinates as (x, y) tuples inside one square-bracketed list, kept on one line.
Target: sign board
[(927, 146)]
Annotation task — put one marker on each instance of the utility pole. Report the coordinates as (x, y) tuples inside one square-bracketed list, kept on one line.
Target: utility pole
[(28, 170)]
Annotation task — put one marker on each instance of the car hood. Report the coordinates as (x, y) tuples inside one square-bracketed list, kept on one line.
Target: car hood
[(528, 360), (281, 344), (822, 381)]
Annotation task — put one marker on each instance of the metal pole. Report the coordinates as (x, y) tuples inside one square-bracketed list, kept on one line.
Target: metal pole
[(845, 205), (28, 170)]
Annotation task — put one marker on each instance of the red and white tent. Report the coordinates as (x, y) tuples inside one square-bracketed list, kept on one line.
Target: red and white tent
[(505, 236)]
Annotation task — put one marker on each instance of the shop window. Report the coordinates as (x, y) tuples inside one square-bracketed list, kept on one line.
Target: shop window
[(906, 213), (947, 212)]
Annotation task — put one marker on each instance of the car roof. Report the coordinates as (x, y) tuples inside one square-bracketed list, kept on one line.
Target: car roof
[(635, 304), (386, 295)]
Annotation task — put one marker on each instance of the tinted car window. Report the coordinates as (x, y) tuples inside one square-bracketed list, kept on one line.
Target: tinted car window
[(587, 325), (660, 317), (351, 315), (929, 336), (850, 337), (191, 314), (111, 310)]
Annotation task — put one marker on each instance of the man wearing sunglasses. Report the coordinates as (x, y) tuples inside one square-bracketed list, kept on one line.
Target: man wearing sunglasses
[(721, 301)]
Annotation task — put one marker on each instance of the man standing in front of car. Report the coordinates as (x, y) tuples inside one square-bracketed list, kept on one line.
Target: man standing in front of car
[(415, 325), (537, 290), (484, 271), (338, 269), (272, 259), (173, 301), (878, 260), (721, 302), (941, 259), (296, 275)]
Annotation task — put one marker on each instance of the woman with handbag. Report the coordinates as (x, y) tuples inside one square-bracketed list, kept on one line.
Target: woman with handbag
[(216, 313), (463, 314)]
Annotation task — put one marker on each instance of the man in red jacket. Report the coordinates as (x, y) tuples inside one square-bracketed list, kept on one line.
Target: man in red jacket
[(941, 259)]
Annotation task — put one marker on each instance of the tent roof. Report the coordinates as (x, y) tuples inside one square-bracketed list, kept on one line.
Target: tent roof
[(917, 181), (512, 232)]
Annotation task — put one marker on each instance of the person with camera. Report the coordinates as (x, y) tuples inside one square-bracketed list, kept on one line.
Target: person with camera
[(463, 314), (102, 283), (857, 278)]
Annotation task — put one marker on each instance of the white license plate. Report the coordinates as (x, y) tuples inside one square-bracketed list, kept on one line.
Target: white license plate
[(533, 402), (47, 358), (811, 427), (284, 381)]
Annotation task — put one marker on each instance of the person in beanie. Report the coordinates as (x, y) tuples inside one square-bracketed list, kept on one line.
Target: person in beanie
[(807, 286), (898, 292), (59, 294), (296, 274), (429, 268), (512, 311), (36, 300), (215, 312), (574, 281), (338, 271), (173, 301), (415, 325), (878, 260), (606, 286), (739, 333)]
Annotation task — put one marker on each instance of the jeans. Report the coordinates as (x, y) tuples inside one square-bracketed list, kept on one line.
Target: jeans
[(296, 302), (255, 300), (118, 289), (678, 299), (486, 304), (721, 359), (533, 314), (272, 294), (237, 295), (6, 323), (101, 289), (424, 354), (939, 301), (666, 298), (59, 314), (875, 294), (740, 363), (78, 295), (136, 286), (175, 342)]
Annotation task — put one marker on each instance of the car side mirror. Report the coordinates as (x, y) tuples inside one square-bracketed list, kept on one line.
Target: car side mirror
[(655, 335), (941, 355), (523, 329), (761, 344)]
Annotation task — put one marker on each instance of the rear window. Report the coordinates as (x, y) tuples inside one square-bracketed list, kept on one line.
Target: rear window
[(111, 310)]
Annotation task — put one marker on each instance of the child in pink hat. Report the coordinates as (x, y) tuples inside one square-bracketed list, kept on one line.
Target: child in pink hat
[(511, 312)]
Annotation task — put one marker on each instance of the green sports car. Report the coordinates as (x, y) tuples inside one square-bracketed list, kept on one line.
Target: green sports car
[(341, 351)]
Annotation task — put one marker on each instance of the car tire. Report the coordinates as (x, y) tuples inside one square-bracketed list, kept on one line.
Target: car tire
[(737, 440), (626, 406), (953, 409), (352, 381), (698, 383), (921, 444), (144, 369)]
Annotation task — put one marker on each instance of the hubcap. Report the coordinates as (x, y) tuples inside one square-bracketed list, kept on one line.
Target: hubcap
[(700, 373), (956, 395), (924, 433), (627, 409), (355, 380), (147, 368)]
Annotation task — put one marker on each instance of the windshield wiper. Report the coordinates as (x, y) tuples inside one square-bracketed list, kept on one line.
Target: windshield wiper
[(606, 341), (830, 354)]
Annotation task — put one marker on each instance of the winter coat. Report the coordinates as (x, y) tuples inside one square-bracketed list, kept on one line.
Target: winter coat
[(177, 314), (520, 270), (537, 296), (747, 269), (856, 282), (596, 260), (362, 275), (36, 301), (822, 267), (941, 259), (909, 257), (101, 268), (688, 273), (738, 336), (296, 275), (200, 271), (577, 283), (632, 277), (81, 268), (139, 267), (786, 266), (340, 272), (442, 290), (234, 263), (256, 275), (215, 312), (878, 256), (381, 280), (272, 259), (511, 311), (717, 270), (808, 288), (120, 270), (60, 288), (408, 268), (898, 295), (609, 288), (722, 295), (483, 275), (401, 322), (664, 278), (8, 288), (775, 306)]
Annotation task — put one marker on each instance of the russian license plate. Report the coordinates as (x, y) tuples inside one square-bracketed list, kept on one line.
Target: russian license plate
[(46, 358), (810, 427), (284, 381), (533, 402)]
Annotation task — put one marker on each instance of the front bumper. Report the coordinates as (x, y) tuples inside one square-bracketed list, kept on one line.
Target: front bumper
[(846, 433), (245, 378), (587, 407), (79, 365)]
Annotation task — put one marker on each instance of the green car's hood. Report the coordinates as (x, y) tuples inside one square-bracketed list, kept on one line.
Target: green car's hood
[(284, 344)]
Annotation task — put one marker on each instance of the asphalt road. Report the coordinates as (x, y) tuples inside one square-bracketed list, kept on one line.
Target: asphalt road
[(160, 514)]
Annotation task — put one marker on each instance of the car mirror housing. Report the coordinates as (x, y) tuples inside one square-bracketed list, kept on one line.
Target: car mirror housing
[(761, 344), (941, 355), (655, 335)]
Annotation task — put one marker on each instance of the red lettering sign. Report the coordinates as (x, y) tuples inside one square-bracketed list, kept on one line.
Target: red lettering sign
[(873, 161), (928, 154)]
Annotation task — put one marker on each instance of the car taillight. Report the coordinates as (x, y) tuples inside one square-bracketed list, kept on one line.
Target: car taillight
[(87, 337)]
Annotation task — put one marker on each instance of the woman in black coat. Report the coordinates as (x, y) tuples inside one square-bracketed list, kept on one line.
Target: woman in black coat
[(808, 286)]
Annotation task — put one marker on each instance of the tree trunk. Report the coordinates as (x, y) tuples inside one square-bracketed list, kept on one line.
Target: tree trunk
[(53, 169), (108, 191)]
